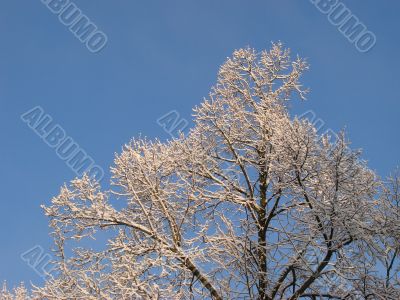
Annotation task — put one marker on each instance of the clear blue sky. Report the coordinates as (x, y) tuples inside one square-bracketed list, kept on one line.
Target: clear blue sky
[(160, 56)]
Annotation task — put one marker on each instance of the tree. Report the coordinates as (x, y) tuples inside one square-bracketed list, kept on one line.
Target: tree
[(18, 293), (251, 204)]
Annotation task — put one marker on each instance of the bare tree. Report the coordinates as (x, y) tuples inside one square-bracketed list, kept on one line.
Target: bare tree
[(251, 204), (18, 293)]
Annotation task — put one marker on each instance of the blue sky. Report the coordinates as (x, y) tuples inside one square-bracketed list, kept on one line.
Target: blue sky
[(162, 56)]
